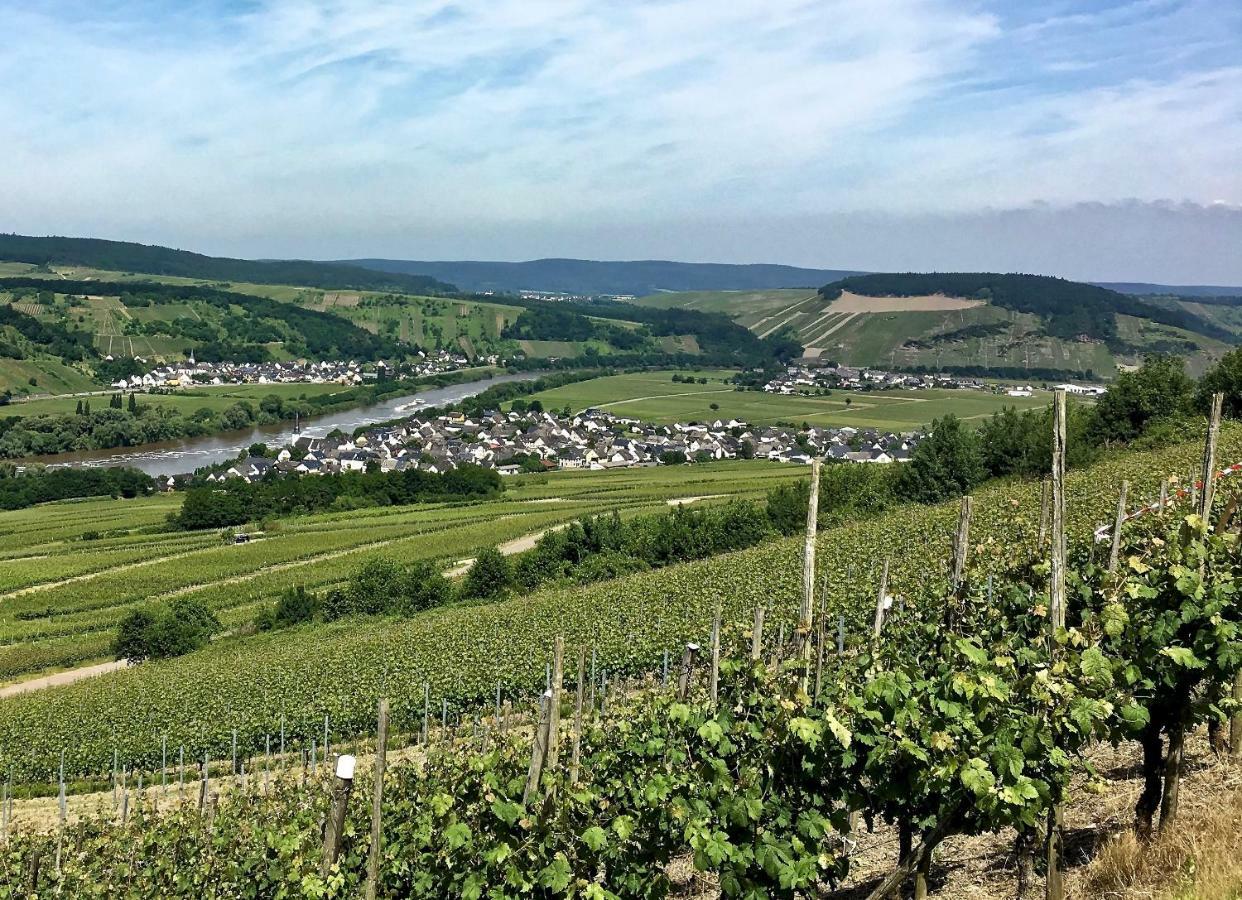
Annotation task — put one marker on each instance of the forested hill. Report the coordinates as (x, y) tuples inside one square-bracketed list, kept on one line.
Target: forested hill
[(123, 256), (1068, 308), (584, 276)]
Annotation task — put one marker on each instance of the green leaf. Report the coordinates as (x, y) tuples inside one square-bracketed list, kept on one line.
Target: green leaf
[(972, 651), (457, 835), (556, 874), (1095, 667), (839, 731), (1184, 657), (595, 838)]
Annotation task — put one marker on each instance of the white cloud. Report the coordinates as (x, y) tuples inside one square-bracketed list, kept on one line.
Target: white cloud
[(295, 123)]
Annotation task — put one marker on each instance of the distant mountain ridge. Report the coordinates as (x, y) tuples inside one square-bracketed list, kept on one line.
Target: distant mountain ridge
[(584, 276), (147, 259)]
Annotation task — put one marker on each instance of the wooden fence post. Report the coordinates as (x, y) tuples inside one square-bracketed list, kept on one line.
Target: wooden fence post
[(334, 828), (1055, 886), (802, 639), (1115, 553), (688, 659), (756, 634), (1164, 494), (377, 801), (1209, 458), (1235, 726)]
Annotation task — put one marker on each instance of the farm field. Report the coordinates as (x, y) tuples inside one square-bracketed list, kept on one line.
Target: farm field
[(654, 397), (462, 652), (186, 400), (69, 571), (467, 325)]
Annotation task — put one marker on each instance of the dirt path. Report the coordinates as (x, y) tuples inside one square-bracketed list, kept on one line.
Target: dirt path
[(834, 327), (69, 676)]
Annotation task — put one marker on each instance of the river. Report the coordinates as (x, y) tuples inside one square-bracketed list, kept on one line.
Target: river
[(186, 455)]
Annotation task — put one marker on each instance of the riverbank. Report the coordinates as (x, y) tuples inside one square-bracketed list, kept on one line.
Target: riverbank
[(178, 456)]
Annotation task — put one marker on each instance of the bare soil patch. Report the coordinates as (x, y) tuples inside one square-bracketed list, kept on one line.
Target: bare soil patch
[(857, 303)]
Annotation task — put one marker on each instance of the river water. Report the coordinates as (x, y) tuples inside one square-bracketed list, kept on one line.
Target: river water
[(183, 456)]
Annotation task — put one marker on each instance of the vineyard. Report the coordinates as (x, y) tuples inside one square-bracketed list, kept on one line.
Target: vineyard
[(69, 572), (944, 708)]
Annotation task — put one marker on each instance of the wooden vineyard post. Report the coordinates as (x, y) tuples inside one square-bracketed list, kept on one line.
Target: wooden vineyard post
[(334, 828), (688, 659), (554, 713), (756, 635), (821, 636), (579, 699), (377, 800), (426, 712), (713, 685), (879, 601), (802, 639), (1115, 553), (1164, 494), (1209, 458), (961, 543), (1055, 886), (539, 747)]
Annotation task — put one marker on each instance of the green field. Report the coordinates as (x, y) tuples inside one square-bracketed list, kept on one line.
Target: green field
[(654, 397), (68, 571), (186, 400)]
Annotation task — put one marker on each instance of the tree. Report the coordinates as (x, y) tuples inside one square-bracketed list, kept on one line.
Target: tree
[(1159, 389), (489, 576), (133, 403), (947, 463), (1224, 378)]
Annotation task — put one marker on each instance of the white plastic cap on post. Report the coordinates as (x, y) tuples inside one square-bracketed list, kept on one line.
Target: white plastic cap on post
[(345, 767)]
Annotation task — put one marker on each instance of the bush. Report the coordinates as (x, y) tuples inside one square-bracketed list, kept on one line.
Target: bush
[(489, 576), (159, 632)]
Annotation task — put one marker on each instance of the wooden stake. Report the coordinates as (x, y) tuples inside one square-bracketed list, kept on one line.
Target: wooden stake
[(554, 715), (879, 600), (802, 638), (377, 800), (538, 748), (688, 659), (1164, 494), (1055, 886), (756, 634), (1115, 553), (334, 828), (961, 542), (1235, 725), (1209, 458), (713, 685)]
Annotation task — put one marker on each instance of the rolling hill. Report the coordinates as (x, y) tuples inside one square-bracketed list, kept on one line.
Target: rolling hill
[(594, 277), (124, 256), (1004, 325)]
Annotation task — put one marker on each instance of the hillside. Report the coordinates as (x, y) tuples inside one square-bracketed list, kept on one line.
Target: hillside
[(1005, 325), (595, 277), (125, 256), (56, 335)]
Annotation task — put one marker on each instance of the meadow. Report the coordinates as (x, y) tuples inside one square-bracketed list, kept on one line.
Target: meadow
[(655, 397), (187, 400), (69, 571)]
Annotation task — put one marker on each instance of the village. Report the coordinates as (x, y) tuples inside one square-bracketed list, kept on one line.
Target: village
[(532, 440), (800, 379), (193, 373)]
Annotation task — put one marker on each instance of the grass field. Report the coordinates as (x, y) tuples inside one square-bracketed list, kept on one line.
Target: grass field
[(68, 571), (654, 397), (186, 401)]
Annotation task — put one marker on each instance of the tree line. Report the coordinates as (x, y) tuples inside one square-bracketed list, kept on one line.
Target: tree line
[(46, 485)]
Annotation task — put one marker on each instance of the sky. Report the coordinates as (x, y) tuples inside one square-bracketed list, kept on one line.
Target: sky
[(1096, 140)]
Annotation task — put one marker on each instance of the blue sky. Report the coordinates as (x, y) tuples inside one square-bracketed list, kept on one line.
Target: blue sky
[(1091, 139)]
